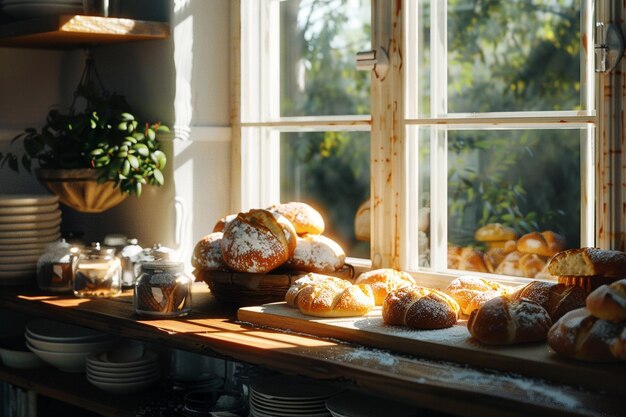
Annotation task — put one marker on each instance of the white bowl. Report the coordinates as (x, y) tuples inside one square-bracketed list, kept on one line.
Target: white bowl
[(123, 380), (64, 361), (124, 375), (121, 371), (124, 388), (20, 359), (71, 347), (102, 360), (54, 331)]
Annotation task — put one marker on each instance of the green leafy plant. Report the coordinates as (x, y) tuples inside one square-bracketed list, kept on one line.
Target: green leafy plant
[(105, 135)]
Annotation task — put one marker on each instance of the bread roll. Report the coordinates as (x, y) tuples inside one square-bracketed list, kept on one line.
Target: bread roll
[(580, 335), (510, 265), (505, 321), (557, 299), (305, 219), (545, 243), (495, 235), (589, 262), (223, 222), (207, 254), (494, 257), (618, 347), (531, 264), (325, 296), (470, 259), (471, 292), (608, 302), (362, 222), (384, 281), (420, 308), (255, 242), (316, 253)]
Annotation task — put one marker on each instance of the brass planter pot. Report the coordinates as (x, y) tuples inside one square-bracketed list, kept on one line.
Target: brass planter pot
[(80, 190)]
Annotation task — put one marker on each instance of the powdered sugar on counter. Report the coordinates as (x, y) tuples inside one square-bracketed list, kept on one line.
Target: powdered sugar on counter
[(369, 357), (456, 333)]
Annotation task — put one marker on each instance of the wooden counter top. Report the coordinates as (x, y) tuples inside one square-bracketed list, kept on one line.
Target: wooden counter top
[(213, 329)]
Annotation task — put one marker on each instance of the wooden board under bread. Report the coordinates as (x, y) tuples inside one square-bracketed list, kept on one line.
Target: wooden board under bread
[(452, 344)]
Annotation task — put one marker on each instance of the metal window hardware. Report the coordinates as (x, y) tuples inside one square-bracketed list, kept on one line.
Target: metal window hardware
[(376, 60), (609, 47)]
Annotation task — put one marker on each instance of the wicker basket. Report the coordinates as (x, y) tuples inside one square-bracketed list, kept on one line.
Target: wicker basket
[(244, 289)]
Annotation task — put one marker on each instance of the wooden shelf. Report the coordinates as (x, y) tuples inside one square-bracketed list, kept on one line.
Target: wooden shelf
[(212, 329), (72, 31)]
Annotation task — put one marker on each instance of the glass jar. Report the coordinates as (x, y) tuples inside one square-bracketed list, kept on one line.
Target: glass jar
[(97, 273), (130, 255), (162, 290), (54, 267)]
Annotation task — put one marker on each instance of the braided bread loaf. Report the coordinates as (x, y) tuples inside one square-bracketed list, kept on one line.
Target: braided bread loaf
[(420, 308), (383, 281), (471, 292), (326, 296)]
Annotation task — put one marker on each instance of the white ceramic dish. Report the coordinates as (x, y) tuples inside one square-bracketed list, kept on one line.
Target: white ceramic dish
[(273, 413), (124, 388), (66, 362), (116, 379), (15, 354), (39, 232), (301, 405), (30, 259), (70, 347), (145, 373), (25, 246), (54, 331), (31, 10), (12, 200), (4, 253), (287, 387), (100, 360), (122, 371), (295, 409), (30, 218), (28, 225), (37, 239)]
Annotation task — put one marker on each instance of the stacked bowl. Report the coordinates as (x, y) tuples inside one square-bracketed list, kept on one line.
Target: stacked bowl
[(124, 370), (28, 223), (25, 9), (64, 346)]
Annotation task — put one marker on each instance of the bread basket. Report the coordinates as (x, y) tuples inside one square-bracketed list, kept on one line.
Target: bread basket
[(245, 289)]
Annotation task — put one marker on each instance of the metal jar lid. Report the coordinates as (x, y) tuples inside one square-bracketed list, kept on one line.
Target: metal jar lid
[(161, 266)]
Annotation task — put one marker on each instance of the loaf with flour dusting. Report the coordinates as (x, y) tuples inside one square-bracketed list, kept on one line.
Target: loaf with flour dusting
[(305, 219), (420, 308), (557, 299), (608, 302), (316, 253), (385, 280), (207, 254), (471, 292)]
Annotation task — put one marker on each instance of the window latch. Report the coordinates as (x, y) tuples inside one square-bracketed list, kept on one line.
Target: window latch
[(609, 47), (376, 60)]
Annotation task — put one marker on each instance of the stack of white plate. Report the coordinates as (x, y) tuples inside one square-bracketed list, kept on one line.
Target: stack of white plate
[(286, 396), (123, 371), (65, 346), (355, 404), (26, 9), (28, 223)]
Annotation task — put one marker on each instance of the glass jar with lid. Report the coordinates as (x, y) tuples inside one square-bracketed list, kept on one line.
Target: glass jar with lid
[(97, 272), (54, 267), (163, 289)]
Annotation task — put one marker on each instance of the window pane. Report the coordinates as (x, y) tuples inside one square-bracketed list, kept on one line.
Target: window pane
[(319, 42), (331, 172), (502, 56)]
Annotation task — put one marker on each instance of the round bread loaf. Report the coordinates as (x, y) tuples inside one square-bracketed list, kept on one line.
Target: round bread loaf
[(255, 242), (326, 296), (494, 257), (420, 308), (545, 243), (466, 259), (207, 253), (580, 335), (618, 347), (531, 264), (305, 219), (510, 265), (223, 222), (557, 299), (495, 235), (288, 230), (385, 280), (471, 292), (316, 253), (589, 262), (608, 302), (362, 222), (505, 321)]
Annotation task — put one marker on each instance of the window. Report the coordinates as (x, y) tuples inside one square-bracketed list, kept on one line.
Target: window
[(485, 115)]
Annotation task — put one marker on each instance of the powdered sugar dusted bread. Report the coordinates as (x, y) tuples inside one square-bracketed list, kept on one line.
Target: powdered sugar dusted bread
[(304, 218), (471, 292), (325, 296), (207, 254), (580, 335), (223, 222), (255, 242), (383, 281), (608, 302), (316, 253), (557, 299), (505, 321), (589, 262), (420, 308)]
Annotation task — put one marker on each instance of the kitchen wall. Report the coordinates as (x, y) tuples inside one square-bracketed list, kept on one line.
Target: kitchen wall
[(182, 81)]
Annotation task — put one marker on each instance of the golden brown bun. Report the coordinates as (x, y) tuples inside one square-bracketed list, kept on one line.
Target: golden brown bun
[(589, 262), (608, 302), (494, 257), (466, 259), (362, 222), (580, 335), (510, 265), (325, 296), (420, 308), (255, 242), (472, 292), (495, 234), (384, 281), (223, 222), (557, 299), (531, 264), (587, 283), (545, 243), (618, 347), (505, 321), (207, 253), (288, 230), (316, 253), (305, 219)]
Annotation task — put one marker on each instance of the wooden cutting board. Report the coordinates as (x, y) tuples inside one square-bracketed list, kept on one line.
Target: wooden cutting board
[(453, 344)]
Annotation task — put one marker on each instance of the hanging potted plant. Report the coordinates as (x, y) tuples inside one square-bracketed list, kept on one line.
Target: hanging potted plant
[(95, 157)]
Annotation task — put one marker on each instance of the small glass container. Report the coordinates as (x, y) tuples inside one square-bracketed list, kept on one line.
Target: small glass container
[(54, 267), (97, 273), (162, 290), (130, 255)]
